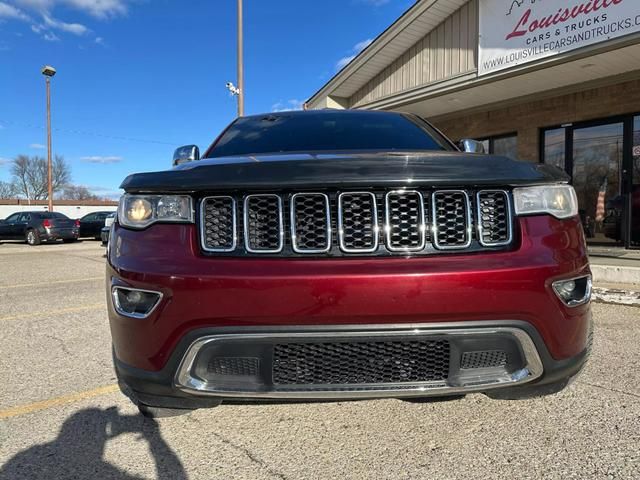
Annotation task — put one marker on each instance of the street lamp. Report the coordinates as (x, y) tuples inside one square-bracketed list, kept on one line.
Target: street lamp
[(48, 71)]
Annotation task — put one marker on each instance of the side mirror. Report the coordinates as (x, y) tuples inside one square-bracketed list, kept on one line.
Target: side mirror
[(186, 153), (471, 146)]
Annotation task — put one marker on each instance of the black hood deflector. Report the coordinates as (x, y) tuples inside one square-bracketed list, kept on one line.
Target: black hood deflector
[(340, 171)]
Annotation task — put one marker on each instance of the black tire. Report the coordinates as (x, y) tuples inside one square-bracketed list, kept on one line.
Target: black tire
[(33, 237), (157, 412)]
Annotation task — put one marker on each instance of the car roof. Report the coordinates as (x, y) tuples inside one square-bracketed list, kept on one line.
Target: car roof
[(320, 113)]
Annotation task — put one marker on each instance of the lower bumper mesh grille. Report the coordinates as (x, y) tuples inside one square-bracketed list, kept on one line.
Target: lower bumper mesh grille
[(349, 363)]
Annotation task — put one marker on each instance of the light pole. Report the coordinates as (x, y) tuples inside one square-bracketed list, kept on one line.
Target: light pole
[(240, 62), (48, 71)]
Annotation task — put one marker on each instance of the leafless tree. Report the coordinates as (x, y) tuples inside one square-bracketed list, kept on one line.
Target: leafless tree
[(77, 192), (7, 190), (30, 176)]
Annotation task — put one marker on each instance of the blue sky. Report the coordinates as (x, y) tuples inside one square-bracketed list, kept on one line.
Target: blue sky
[(137, 78)]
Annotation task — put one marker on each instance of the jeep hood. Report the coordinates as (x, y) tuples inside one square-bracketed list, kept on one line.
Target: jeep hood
[(345, 170)]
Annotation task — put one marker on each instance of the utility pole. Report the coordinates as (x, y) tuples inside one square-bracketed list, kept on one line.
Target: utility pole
[(49, 72), (240, 62)]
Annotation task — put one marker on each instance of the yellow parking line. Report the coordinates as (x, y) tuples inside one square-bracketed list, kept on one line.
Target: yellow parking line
[(58, 282), (56, 402), (50, 313)]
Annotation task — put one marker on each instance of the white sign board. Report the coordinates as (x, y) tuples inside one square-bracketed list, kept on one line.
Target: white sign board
[(514, 32)]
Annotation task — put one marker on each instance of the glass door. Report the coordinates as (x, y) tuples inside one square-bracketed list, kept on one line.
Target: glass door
[(634, 226), (598, 153)]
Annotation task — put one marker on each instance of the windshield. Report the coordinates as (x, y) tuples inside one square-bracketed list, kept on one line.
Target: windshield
[(325, 131)]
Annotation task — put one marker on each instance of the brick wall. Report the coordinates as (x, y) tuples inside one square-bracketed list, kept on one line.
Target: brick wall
[(527, 119)]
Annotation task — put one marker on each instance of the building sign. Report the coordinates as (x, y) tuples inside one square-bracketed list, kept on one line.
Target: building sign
[(515, 32)]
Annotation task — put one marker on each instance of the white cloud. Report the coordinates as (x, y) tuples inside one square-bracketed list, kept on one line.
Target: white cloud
[(38, 146), (4, 161), (102, 160), (375, 3), (9, 11), (50, 37), (357, 48), (101, 9), (75, 28), (100, 41), (344, 61), (287, 106)]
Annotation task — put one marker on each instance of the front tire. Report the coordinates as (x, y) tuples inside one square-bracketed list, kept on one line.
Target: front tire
[(33, 237)]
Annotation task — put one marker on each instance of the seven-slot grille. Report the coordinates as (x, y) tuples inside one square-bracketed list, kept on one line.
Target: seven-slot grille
[(396, 221)]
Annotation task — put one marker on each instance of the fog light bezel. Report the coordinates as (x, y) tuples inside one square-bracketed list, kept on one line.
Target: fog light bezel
[(588, 290), (120, 311)]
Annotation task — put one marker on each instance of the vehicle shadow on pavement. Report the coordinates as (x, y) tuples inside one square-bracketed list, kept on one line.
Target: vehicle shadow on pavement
[(78, 451)]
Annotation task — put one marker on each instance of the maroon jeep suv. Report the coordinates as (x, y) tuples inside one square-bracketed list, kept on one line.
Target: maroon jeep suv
[(333, 255)]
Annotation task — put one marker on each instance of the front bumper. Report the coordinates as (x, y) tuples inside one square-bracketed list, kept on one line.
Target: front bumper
[(204, 296), (532, 371), (104, 235)]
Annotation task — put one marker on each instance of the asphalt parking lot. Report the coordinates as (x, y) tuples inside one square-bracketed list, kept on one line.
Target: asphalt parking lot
[(61, 415)]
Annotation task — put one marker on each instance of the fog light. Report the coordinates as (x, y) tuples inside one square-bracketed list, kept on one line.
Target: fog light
[(135, 303), (574, 292)]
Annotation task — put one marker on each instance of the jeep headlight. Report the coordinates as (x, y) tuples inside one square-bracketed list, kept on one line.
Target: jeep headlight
[(140, 211), (557, 200)]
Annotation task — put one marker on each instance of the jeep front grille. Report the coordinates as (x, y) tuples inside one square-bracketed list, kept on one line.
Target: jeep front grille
[(393, 222)]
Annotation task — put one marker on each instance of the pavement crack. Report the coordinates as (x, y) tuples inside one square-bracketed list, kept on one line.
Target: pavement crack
[(609, 389), (63, 346), (254, 459)]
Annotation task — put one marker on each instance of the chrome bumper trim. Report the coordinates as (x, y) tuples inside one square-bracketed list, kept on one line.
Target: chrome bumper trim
[(480, 382)]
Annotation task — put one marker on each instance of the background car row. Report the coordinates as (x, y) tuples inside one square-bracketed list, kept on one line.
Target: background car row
[(36, 227)]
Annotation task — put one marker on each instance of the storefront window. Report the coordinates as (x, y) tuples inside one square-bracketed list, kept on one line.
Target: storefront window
[(554, 147), (506, 145)]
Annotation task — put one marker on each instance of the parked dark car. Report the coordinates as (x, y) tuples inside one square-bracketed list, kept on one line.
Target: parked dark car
[(345, 255), (91, 224), (38, 227), (106, 229)]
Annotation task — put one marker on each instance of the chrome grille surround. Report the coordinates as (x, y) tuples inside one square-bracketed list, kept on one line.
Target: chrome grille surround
[(254, 234), (451, 230), (487, 223), (398, 230), (310, 222), (378, 222), (347, 230), (210, 240)]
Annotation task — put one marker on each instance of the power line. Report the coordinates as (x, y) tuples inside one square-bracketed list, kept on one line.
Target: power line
[(88, 133)]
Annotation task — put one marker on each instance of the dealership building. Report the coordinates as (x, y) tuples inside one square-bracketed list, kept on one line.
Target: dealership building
[(538, 80)]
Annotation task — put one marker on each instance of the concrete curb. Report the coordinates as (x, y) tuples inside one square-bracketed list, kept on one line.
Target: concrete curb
[(616, 296), (615, 274)]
